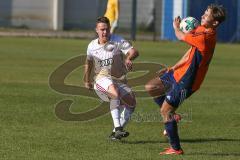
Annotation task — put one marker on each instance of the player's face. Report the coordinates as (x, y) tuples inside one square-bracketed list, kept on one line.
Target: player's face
[(207, 19), (103, 31)]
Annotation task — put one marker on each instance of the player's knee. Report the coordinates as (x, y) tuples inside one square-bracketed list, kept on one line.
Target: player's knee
[(153, 89), (148, 87)]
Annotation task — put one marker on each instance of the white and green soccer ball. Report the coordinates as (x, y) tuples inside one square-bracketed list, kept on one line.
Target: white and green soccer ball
[(188, 24)]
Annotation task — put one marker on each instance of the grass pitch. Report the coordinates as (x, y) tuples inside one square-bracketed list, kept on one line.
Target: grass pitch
[(29, 128)]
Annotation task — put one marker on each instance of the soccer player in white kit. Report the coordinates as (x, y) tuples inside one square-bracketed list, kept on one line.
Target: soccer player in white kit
[(111, 57)]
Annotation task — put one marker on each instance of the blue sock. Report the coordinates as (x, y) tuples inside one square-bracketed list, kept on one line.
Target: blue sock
[(172, 131)]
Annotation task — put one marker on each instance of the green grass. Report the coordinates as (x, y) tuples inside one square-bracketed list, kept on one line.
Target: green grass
[(29, 128)]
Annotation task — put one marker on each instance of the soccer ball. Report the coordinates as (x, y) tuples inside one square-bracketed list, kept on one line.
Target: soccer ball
[(188, 24)]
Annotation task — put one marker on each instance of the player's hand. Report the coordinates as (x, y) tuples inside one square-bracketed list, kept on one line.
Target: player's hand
[(176, 22), (128, 64), (164, 70), (88, 85)]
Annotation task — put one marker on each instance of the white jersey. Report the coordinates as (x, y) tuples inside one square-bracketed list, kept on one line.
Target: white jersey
[(108, 58)]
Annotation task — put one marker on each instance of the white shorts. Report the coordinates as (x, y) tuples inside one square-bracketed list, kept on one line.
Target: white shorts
[(101, 88)]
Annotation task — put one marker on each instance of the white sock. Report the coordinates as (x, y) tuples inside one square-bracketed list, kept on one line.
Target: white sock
[(116, 117), (121, 108), (126, 115), (115, 112)]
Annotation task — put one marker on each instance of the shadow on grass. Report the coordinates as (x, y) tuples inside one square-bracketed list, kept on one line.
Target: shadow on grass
[(198, 140), (142, 142), (203, 140), (213, 154)]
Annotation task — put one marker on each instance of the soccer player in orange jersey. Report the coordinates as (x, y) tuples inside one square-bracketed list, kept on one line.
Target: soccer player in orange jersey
[(184, 78)]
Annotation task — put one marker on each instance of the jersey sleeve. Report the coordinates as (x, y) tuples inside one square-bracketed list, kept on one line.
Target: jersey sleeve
[(125, 46), (196, 39)]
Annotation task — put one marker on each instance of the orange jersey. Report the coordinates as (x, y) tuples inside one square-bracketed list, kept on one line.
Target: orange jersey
[(192, 72)]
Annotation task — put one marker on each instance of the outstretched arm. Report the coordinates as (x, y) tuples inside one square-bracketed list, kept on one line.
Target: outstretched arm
[(131, 55)]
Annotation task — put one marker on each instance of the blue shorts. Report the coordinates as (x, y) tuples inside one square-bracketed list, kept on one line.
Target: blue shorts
[(175, 93)]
